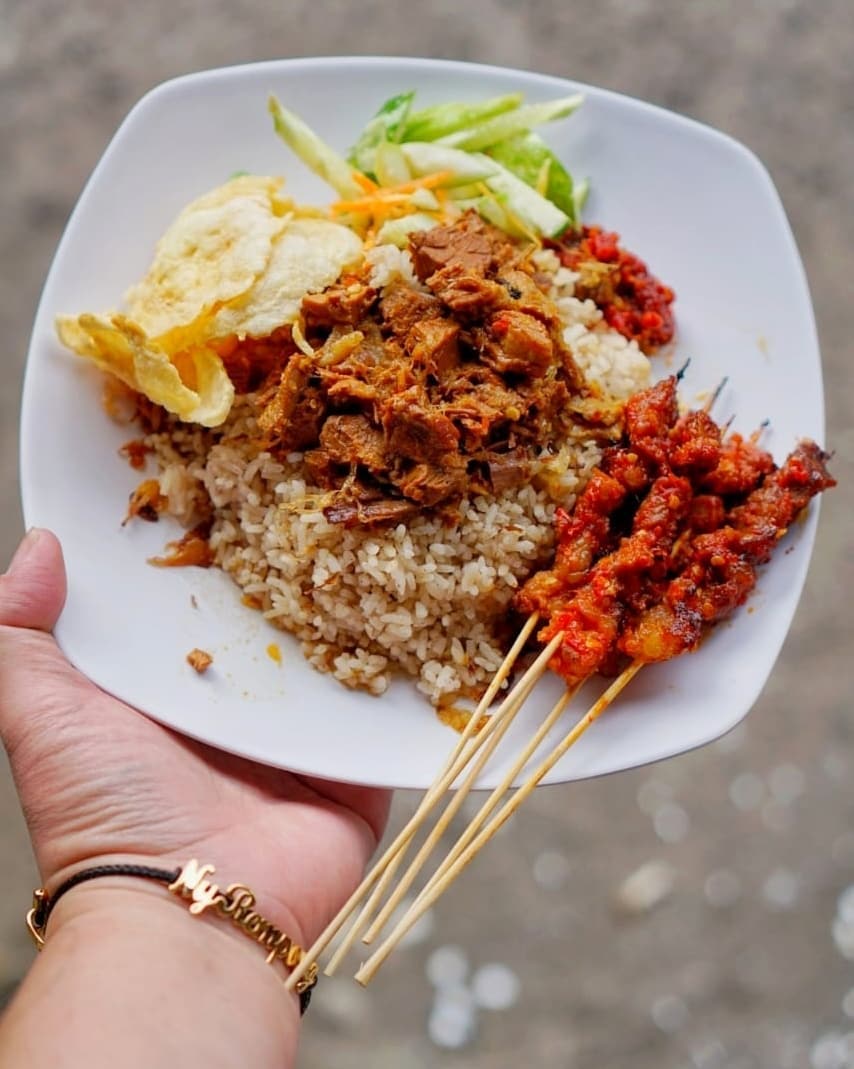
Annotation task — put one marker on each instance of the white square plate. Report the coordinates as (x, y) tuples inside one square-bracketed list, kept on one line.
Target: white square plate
[(696, 205)]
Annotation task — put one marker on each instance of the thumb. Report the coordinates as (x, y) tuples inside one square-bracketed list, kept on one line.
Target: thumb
[(32, 592)]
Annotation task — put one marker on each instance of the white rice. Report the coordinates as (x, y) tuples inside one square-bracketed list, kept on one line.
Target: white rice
[(424, 598)]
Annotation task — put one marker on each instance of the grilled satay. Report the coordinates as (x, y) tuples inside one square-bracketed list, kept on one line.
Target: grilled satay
[(741, 467), (590, 619), (720, 571), (656, 441), (694, 445), (649, 417), (580, 537)]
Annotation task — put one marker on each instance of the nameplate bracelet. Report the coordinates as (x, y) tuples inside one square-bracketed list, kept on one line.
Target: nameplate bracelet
[(192, 884)]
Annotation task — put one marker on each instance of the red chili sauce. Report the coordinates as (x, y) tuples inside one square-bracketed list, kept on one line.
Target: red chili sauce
[(633, 301)]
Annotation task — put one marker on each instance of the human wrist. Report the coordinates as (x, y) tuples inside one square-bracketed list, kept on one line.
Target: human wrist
[(126, 957), (194, 891)]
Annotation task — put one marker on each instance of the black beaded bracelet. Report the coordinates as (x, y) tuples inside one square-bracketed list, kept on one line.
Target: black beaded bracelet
[(191, 883)]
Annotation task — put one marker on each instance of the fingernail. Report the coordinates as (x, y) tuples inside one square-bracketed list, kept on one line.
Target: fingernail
[(28, 544)]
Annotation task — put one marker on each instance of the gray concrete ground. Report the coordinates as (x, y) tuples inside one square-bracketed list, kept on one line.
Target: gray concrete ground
[(741, 965)]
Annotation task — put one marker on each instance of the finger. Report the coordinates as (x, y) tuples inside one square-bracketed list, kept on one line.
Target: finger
[(32, 592), (37, 684)]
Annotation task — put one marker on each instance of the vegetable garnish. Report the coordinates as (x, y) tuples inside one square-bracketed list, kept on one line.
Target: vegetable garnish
[(483, 156)]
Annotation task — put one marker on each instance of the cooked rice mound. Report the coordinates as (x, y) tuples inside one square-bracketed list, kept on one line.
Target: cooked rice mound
[(427, 598)]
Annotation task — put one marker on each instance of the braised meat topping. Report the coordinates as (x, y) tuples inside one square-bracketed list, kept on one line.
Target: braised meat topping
[(413, 396)]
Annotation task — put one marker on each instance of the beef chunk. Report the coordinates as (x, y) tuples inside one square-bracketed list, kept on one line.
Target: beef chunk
[(306, 420), (292, 418), (478, 407), (416, 431), (507, 470), (525, 295), (466, 243), (321, 469), (402, 307), (345, 389), (518, 344), (543, 402), (433, 345), (279, 409), (469, 295), (371, 513), (429, 484), (337, 305), (352, 440)]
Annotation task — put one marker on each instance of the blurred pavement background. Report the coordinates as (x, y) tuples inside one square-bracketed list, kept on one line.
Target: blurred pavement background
[(747, 847)]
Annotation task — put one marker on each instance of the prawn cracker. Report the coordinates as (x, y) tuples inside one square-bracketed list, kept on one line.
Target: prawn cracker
[(202, 394), (307, 257), (234, 263), (213, 253)]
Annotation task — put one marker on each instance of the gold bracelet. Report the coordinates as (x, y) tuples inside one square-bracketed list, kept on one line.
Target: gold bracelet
[(192, 883)]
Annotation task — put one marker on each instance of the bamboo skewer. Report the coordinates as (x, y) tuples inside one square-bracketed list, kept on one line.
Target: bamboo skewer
[(368, 910), (502, 721), (506, 713), (438, 830), (460, 757), (718, 390), (370, 967), (498, 793)]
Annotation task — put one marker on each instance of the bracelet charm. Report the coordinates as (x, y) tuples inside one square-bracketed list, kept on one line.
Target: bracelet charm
[(237, 904)]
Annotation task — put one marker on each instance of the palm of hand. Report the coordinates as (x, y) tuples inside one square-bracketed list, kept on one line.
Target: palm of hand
[(97, 779)]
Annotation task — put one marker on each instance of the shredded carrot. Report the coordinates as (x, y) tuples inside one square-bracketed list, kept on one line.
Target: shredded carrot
[(379, 197), (366, 183), (427, 181), (367, 204)]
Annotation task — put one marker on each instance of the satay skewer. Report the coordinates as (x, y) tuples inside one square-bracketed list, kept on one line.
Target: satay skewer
[(711, 400), (367, 972), (491, 803), (809, 476), (658, 518), (553, 644), (473, 827)]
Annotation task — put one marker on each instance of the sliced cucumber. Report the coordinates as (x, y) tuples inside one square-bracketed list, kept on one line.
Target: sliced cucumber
[(543, 217), (313, 151), (441, 119), (425, 158), (397, 231), (390, 166), (519, 121)]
